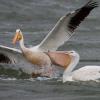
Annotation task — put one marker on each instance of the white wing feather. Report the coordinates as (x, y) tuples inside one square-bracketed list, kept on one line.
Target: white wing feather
[(57, 36), (14, 56), (10, 55), (65, 27)]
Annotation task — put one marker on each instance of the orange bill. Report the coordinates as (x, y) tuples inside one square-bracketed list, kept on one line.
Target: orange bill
[(15, 38)]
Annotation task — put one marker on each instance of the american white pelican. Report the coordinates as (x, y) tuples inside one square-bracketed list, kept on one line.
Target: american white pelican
[(45, 54), (85, 73)]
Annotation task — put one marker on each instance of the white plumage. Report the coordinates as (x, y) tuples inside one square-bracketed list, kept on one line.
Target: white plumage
[(42, 55), (86, 73)]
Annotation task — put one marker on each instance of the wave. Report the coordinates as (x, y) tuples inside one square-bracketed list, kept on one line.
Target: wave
[(8, 79)]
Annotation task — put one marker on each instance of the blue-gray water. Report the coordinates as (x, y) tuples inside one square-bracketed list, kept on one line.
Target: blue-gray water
[(36, 18)]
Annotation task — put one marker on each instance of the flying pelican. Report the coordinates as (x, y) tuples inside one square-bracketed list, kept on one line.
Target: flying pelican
[(45, 54), (86, 73)]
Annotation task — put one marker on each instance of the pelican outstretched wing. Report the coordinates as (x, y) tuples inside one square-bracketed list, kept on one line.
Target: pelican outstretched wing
[(65, 27), (10, 55)]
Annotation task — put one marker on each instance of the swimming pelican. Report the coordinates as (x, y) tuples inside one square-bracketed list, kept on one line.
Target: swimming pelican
[(45, 54), (85, 73)]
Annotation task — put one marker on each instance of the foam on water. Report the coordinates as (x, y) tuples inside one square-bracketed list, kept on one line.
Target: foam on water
[(8, 79)]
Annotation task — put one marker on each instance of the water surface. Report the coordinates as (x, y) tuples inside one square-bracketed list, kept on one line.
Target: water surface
[(36, 18)]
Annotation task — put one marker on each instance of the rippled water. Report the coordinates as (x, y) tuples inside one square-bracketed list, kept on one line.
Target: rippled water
[(36, 18)]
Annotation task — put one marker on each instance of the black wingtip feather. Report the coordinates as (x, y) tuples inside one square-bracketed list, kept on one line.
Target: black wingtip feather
[(80, 14), (92, 4)]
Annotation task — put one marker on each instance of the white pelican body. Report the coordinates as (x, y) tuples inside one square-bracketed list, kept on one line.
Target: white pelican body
[(85, 73), (45, 54)]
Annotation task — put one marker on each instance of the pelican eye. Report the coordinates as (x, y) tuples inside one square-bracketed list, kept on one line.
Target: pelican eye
[(72, 52)]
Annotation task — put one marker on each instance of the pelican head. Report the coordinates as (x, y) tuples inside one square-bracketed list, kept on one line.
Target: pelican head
[(73, 53), (18, 36), (74, 57)]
